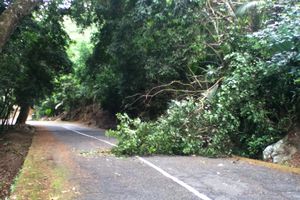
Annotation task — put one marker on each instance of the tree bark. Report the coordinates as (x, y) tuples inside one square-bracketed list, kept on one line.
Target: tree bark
[(24, 112), (12, 16), (14, 116)]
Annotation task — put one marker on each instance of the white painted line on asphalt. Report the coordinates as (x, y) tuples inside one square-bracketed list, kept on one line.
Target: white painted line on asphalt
[(163, 172), (104, 141), (176, 180)]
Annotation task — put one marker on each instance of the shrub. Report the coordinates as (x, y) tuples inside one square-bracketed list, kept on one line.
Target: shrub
[(256, 104), (180, 131), (242, 118)]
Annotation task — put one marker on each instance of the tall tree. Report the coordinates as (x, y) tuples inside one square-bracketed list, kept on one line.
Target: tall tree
[(32, 58), (12, 16)]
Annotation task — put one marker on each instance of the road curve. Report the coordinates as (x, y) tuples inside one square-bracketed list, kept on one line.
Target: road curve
[(100, 175)]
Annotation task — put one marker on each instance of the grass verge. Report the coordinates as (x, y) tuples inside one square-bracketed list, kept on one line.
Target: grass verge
[(41, 178)]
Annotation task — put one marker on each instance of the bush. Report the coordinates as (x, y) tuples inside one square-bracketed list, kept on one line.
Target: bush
[(180, 131), (242, 118), (256, 104)]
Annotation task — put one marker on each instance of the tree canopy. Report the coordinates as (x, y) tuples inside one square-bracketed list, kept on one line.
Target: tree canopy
[(11, 15), (33, 57), (193, 76)]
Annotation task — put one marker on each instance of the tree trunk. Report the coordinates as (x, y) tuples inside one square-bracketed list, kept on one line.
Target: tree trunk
[(24, 112), (14, 116), (12, 16)]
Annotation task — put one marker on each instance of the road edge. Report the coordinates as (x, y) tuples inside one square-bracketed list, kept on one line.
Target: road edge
[(275, 166)]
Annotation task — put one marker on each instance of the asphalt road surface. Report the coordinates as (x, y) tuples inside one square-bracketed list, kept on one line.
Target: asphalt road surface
[(101, 175)]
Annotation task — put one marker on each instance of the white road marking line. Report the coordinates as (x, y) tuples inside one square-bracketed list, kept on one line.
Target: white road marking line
[(104, 141), (163, 172), (176, 180)]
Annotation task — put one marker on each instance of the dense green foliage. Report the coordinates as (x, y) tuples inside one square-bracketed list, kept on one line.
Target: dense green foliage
[(194, 77), (143, 44), (31, 60), (256, 103), (69, 93)]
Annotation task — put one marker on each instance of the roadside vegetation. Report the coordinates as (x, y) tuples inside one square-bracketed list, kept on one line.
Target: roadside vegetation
[(41, 177), (14, 146), (201, 77), (30, 61)]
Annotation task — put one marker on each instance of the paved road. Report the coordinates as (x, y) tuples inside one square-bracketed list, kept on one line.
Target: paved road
[(101, 175)]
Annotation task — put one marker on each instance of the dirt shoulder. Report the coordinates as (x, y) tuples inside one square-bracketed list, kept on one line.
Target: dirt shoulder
[(46, 170), (14, 146)]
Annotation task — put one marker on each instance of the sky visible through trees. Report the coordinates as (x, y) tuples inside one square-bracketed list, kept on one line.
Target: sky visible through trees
[(186, 76)]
